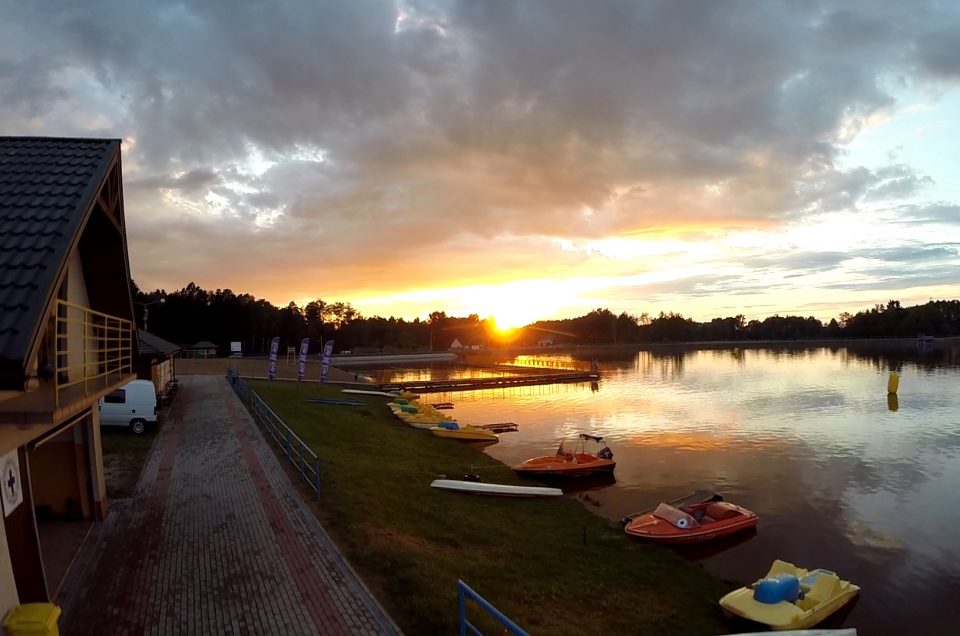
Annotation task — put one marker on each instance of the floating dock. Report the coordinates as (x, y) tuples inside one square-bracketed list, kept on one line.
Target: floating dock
[(502, 427), (499, 382)]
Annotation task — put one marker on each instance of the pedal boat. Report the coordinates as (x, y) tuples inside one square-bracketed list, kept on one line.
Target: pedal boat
[(425, 419), (790, 598), (464, 432), (694, 523), (570, 464)]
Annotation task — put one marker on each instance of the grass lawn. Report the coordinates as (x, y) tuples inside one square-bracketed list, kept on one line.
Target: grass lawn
[(123, 457), (550, 565)]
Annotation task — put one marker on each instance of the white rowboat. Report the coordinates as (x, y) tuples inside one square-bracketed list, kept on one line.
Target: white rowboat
[(365, 392), (503, 490)]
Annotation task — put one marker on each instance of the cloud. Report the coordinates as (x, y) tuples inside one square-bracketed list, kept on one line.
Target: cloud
[(939, 51), (382, 143), (192, 181), (941, 212)]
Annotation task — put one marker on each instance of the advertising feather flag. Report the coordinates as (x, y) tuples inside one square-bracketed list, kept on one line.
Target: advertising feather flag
[(272, 366), (302, 368), (325, 360)]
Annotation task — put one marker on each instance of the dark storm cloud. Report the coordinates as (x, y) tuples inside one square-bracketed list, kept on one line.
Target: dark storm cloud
[(439, 120), (939, 51)]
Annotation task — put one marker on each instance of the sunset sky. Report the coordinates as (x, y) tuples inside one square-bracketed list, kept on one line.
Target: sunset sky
[(517, 159)]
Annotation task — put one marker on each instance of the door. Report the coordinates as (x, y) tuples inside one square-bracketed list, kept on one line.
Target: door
[(24, 543), (114, 410)]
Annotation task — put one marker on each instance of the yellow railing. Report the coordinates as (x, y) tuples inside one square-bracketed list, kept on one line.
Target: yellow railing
[(93, 350)]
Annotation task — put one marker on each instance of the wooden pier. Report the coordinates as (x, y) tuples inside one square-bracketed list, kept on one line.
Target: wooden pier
[(502, 427), (499, 382)]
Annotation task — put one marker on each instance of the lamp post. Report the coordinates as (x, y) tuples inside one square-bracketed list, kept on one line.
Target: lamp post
[(146, 310)]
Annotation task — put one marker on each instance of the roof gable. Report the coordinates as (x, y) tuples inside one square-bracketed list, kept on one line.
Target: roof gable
[(46, 191), (155, 345)]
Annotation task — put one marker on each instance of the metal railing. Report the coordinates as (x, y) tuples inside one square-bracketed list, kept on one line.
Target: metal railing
[(91, 350), (295, 449), (463, 593)]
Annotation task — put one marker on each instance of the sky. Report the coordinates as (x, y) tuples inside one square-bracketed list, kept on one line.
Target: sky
[(520, 160)]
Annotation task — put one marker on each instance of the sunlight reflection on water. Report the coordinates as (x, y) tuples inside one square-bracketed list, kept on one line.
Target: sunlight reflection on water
[(841, 477)]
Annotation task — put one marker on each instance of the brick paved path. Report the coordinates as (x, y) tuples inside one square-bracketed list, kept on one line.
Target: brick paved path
[(216, 540)]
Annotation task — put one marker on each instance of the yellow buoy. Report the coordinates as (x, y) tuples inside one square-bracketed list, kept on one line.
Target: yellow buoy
[(893, 402), (893, 383)]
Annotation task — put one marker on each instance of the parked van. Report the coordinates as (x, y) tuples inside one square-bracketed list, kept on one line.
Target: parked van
[(133, 406)]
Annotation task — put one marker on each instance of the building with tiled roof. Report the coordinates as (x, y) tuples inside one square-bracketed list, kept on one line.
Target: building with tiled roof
[(157, 363), (66, 339)]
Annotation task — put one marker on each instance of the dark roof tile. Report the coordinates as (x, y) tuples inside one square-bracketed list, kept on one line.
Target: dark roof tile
[(45, 184), (153, 345)]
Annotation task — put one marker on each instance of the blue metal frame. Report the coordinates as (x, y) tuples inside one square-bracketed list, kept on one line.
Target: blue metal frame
[(463, 592)]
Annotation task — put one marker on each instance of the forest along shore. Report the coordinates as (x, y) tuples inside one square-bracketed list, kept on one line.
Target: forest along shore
[(550, 565)]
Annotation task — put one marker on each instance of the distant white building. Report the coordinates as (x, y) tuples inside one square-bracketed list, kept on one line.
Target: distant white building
[(455, 344), (546, 341)]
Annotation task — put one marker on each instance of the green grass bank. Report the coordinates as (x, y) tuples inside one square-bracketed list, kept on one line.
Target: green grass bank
[(550, 565), (124, 455)]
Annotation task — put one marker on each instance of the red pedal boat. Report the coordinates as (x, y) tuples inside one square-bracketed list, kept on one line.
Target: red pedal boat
[(567, 464), (693, 523)]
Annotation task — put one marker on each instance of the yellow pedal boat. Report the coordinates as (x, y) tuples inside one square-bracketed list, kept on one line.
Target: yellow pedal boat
[(464, 432), (790, 598), (419, 420)]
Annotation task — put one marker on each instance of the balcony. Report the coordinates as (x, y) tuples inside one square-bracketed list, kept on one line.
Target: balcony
[(91, 354)]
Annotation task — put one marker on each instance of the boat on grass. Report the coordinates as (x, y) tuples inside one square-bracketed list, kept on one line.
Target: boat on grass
[(406, 395), (694, 523), (790, 598), (418, 419), (502, 490), (464, 432), (570, 464)]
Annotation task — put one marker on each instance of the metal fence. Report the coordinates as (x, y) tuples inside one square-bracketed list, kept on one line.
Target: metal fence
[(92, 350), (463, 593), (295, 449)]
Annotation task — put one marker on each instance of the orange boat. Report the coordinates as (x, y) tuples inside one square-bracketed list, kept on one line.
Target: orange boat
[(570, 464), (694, 523)]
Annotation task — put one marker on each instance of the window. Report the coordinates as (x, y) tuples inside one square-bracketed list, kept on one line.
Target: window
[(117, 397)]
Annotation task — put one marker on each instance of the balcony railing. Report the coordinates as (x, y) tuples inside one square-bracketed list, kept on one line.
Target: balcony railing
[(93, 351)]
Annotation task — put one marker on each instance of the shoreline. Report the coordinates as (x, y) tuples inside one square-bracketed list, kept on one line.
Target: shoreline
[(398, 532), (857, 343)]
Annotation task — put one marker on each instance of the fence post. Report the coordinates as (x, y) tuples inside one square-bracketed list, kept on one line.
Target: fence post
[(462, 609)]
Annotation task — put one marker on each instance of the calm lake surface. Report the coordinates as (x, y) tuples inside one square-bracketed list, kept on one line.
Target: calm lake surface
[(841, 477)]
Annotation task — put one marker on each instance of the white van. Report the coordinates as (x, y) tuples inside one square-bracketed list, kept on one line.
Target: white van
[(134, 406)]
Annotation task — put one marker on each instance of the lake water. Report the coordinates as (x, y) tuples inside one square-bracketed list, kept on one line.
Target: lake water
[(840, 476)]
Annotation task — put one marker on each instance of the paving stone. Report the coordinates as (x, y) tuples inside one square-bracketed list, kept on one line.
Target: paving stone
[(215, 540)]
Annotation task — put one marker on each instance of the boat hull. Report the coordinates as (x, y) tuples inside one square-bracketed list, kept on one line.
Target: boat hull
[(563, 466), (466, 434), (810, 610), (501, 490), (651, 528)]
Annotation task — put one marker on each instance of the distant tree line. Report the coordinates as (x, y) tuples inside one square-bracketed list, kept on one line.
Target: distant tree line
[(193, 314)]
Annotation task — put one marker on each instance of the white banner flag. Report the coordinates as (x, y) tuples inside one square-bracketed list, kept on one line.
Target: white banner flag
[(325, 360), (272, 367), (302, 369)]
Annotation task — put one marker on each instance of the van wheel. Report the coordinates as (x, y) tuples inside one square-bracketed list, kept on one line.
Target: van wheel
[(138, 426)]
